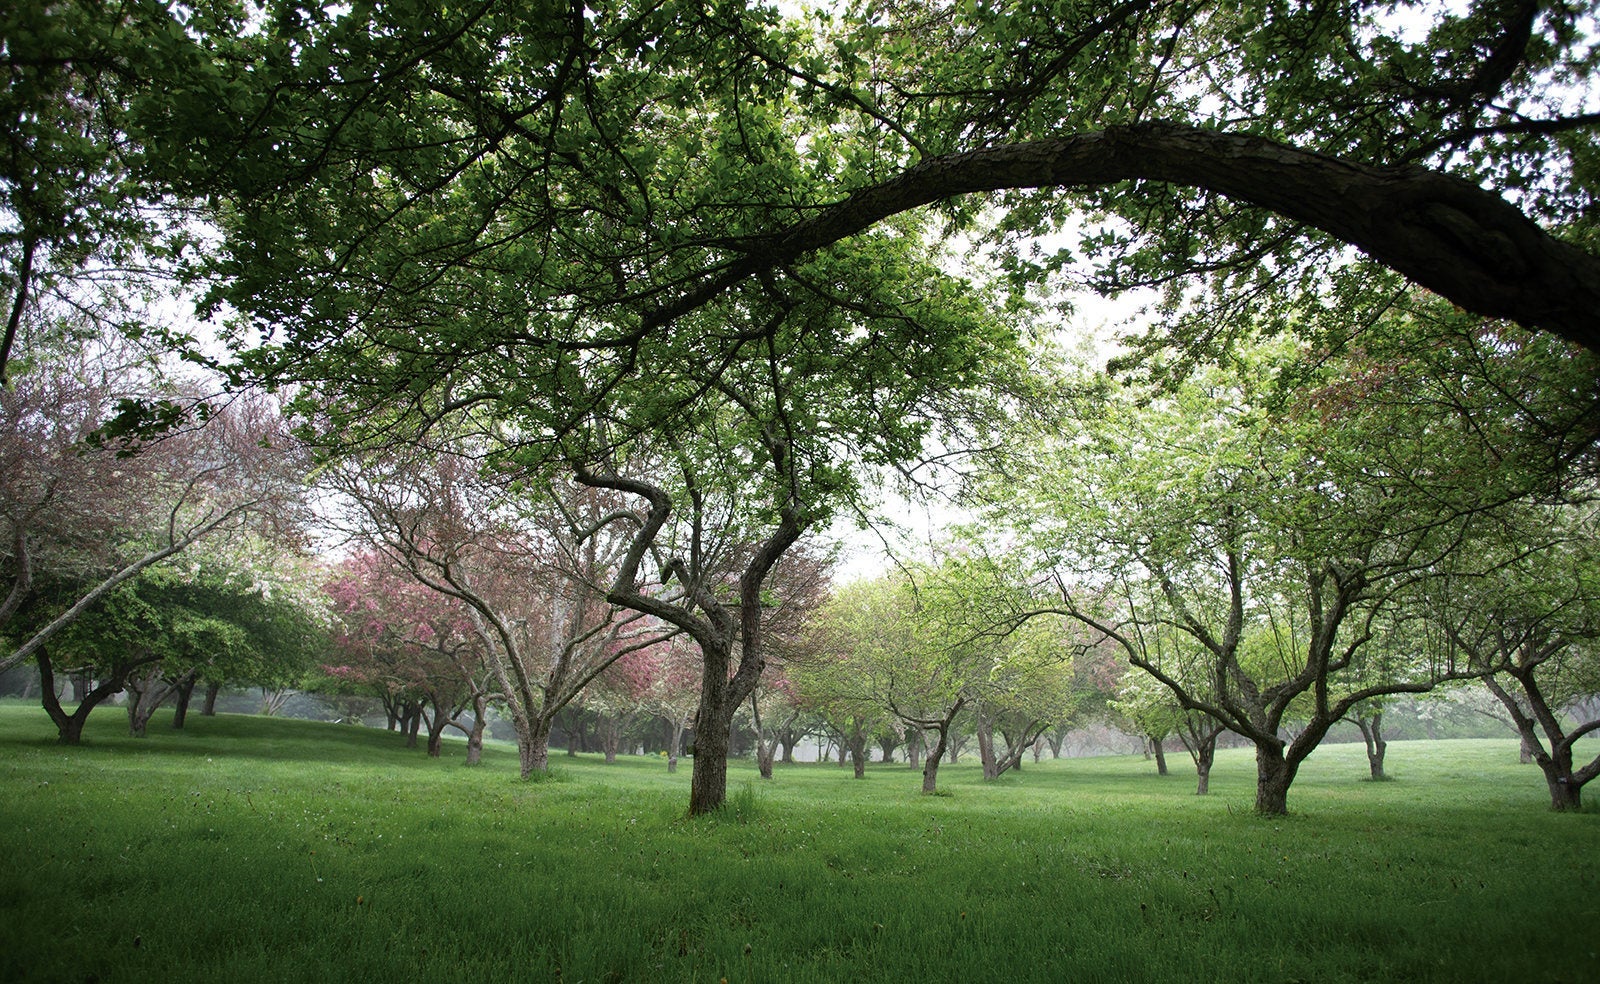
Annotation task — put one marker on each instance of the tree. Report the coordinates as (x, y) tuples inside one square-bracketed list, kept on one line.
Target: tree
[(413, 647), (906, 644), (1267, 538), (1530, 624), (1245, 145), (673, 692), (98, 509), (528, 563), (84, 223), (1030, 686)]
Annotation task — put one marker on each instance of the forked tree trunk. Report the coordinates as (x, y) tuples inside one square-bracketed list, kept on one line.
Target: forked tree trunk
[(69, 727), (149, 693), (1372, 733)]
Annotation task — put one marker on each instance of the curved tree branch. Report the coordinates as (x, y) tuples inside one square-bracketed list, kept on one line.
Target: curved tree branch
[(1463, 242)]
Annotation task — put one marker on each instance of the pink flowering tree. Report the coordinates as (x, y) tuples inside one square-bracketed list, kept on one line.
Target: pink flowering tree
[(411, 647)]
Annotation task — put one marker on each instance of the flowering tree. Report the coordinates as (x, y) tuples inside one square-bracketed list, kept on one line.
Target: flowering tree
[(79, 504), (412, 647)]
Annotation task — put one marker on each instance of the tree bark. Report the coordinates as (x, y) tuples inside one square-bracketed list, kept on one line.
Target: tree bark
[(930, 769), (436, 725), (413, 724), (533, 748), (708, 775), (1157, 745), (209, 708), (858, 754), (1565, 794), (1273, 776)]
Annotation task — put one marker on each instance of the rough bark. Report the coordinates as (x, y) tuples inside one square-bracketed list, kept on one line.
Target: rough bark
[(533, 747), (209, 709), (708, 776), (1453, 237), (1158, 746), (1273, 776)]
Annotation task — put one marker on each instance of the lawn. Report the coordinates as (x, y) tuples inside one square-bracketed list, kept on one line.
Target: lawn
[(246, 849)]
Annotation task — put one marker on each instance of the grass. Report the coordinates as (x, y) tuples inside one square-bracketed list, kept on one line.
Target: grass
[(247, 849)]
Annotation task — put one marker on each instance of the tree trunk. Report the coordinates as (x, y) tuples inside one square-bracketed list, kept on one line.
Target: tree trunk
[(1526, 754), (609, 729), (413, 724), (180, 711), (1565, 794), (1204, 754), (914, 748), (209, 708), (69, 727), (986, 756), (533, 748), (149, 693), (1372, 733), (475, 740), (436, 724), (1157, 745), (858, 753), (675, 749), (708, 777), (1273, 776), (930, 771)]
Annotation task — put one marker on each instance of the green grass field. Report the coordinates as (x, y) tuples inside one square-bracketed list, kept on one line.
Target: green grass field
[(250, 849)]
